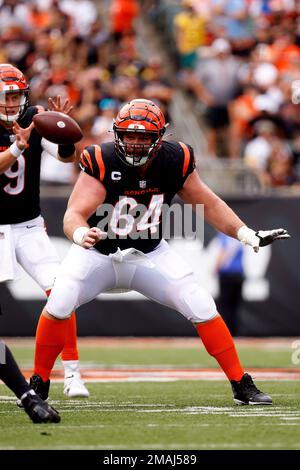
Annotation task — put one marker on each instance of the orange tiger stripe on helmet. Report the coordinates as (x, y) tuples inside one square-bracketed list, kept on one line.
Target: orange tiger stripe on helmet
[(140, 115), (12, 81)]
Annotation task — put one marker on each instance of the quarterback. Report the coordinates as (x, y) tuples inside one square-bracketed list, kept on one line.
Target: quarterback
[(140, 169), (23, 236)]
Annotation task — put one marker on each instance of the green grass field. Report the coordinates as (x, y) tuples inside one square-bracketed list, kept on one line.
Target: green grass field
[(182, 414)]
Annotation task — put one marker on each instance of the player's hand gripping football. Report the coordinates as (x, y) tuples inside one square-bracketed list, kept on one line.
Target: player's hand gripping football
[(22, 134), (56, 104), (262, 237)]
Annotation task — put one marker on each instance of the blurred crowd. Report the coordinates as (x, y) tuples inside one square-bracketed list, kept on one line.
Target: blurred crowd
[(85, 51), (241, 59)]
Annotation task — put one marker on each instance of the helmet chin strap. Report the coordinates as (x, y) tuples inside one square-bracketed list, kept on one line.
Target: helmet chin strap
[(130, 160), (9, 118)]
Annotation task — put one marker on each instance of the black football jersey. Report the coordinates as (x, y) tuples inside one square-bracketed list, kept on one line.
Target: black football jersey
[(132, 210), (20, 184)]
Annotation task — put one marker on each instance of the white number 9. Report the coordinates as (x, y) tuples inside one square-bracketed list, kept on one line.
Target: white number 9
[(17, 186)]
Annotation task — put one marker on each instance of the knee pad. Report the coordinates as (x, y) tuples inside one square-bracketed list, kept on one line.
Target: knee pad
[(62, 301), (197, 304)]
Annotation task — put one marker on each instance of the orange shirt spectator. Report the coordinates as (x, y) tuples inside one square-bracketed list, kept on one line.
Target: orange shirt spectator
[(242, 110), (39, 19), (287, 56), (283, 50), (123, 14)]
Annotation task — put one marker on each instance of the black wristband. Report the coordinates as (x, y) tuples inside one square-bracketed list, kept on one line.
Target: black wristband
[(66, 151)]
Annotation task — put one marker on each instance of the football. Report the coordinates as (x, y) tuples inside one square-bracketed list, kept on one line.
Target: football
[(57, 127)]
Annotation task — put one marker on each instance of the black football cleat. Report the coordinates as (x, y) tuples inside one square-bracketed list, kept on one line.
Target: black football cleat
[(40, 387), (38, 410), (245, 392)]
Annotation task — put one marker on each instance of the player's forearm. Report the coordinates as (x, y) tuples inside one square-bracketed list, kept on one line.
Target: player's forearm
[(64, 153), (6, 161), (223, 218), (72, 221), (8, 157)]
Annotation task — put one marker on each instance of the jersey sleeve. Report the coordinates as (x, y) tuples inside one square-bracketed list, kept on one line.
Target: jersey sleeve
[(188, 164), (91, 162), (49, 147), (182, 164)]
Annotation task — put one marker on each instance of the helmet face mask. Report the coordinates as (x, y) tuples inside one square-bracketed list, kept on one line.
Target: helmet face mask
[(11, 112), (138, 128), (14, 93), (136, 147)]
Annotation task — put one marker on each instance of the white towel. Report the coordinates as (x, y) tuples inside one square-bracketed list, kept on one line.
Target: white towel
[(131, 255), (8, 261)]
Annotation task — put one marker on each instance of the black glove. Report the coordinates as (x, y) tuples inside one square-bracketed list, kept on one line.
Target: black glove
[(260, 238), (269, 236), (66, 151)]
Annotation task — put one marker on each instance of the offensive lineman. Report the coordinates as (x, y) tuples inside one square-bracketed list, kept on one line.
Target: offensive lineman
[(23, 236), (140, 168)]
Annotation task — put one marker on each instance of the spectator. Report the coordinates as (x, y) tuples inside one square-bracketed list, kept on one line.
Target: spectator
[(230, 272), (265, 76), (13, 13), (280, 170), (269, 156), (103, 124), (83, 14), (265, 36), (38, 19), (259, 150), (242, 110), (155, 86), (217, 93), (232, 17), (123, 13), (189, 34)]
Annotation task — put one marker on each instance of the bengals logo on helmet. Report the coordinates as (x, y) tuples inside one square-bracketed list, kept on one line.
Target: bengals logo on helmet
[(12, 81), (139, 116)]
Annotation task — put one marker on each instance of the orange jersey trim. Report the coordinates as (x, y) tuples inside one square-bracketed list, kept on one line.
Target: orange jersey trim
[(88, 157), (187, 157), (98, 155)]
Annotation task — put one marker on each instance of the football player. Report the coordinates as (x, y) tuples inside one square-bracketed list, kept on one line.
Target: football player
[(24, 239), (38, 410), (137, 170)]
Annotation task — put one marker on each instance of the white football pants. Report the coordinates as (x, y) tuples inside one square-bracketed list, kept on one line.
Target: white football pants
[(160, 275), (35, 252)]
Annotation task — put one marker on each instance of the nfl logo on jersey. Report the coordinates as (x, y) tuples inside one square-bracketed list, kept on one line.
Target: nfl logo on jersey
[(143, 184)]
